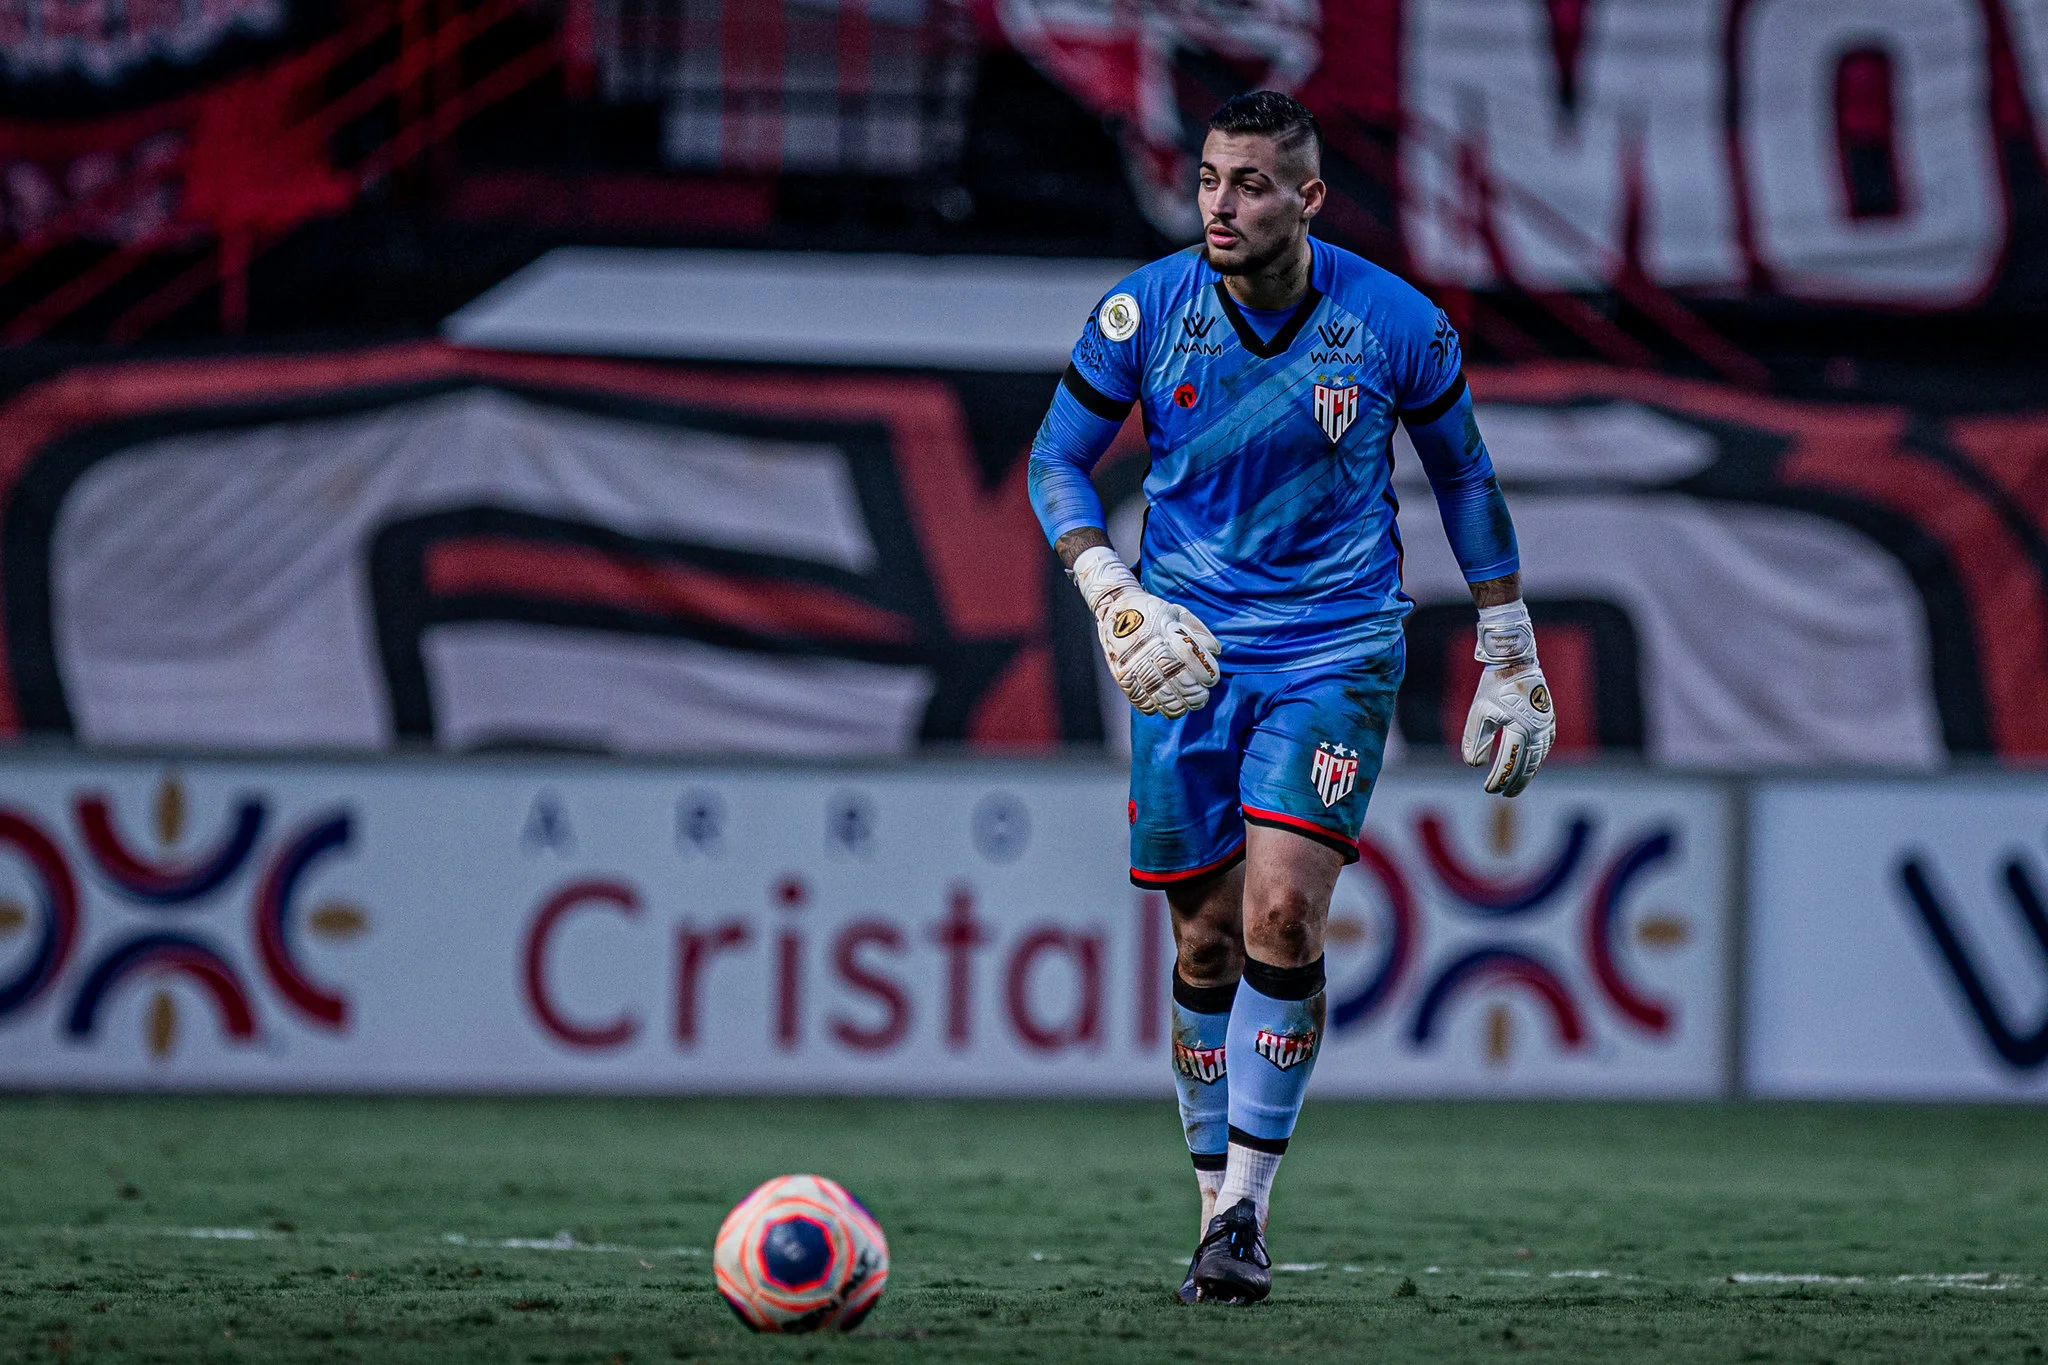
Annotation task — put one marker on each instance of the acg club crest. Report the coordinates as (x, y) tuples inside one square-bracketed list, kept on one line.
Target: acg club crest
[(1286, 1050), (1336, 406), (1202, 1064), (1334, 771)]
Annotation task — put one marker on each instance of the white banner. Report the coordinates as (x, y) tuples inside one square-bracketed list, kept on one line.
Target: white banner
[(1897, 944), (1840, 152), (583, 927)]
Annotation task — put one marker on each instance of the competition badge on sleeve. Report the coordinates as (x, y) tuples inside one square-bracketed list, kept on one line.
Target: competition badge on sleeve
[(1335, 772)]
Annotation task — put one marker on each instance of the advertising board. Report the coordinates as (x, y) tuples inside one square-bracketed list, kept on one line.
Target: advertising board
[(577, 926), (1898, 945)]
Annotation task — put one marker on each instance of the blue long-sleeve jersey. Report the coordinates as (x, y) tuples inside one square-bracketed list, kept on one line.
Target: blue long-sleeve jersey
[(1270, 503)]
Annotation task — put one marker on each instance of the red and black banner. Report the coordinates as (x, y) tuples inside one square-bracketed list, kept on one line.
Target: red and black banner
[(420, 545)]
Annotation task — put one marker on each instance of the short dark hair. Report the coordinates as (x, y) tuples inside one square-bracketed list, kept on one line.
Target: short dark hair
[(1269, 113)]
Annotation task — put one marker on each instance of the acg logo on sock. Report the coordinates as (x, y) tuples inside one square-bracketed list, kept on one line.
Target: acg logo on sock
[(1204, 1064), (1287, 1050)]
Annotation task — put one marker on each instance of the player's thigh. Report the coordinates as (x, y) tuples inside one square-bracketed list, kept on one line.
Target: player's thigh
[(1185, 821), (1314, 752), (1288, 880)]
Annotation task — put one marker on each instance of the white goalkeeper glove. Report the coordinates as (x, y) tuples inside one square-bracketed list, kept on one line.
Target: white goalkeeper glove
[(1160, 655), (1513, 701)]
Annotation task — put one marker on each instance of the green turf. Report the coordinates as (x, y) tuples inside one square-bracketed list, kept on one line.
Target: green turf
[(1020, 1232)]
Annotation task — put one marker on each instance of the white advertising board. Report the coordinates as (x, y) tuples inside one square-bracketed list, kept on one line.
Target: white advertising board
[(577, 926), (1898, 945)]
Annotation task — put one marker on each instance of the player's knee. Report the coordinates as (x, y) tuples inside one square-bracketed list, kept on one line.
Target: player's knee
[(1282, 924), (1210, 959)]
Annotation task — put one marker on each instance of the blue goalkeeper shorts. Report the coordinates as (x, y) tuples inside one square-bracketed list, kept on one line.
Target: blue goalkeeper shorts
[(1298, 750)]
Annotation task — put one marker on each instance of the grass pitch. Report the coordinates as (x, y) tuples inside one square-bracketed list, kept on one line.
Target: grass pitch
[(577, 1231)]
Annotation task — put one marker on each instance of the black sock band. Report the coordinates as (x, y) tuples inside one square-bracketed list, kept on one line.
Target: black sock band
[(1283, 983), (1210, 1161), (1240, 1138), (1203, 999)]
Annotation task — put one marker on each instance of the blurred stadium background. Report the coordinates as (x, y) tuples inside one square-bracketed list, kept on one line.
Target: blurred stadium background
[(515, 578)]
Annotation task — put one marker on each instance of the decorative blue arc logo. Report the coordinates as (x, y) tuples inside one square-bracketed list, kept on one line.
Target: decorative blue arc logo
[(1497, 899), (164, 953), (57, 895), (1603, 916), (1490, 966), (166, 883), (273, 919)]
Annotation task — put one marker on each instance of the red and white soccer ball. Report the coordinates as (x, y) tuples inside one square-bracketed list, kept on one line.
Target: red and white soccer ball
[(800, 1254)]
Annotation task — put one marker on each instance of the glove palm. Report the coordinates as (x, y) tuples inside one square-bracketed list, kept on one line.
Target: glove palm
[(1160, 654)]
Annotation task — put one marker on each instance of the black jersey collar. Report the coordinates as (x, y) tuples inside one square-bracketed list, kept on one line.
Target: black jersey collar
[(1248, 336)]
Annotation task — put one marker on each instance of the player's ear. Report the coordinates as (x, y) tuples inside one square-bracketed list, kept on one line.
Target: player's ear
[(1312, 195)]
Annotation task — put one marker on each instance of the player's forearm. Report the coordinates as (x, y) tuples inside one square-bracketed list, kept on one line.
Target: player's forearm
[(1497, 592), (1468, 496), (1070, 546), (1068, 444)]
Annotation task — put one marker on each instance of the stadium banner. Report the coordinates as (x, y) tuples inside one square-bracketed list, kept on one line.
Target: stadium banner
[(1876, 154), (480, 548), (1898, 945), (568, 926)]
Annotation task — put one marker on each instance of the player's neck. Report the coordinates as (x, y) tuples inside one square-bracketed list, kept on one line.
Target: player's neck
[(1280, 284)]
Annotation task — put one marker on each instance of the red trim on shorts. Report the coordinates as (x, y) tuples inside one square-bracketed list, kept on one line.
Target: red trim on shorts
[(1322, 834), (1159, 881)]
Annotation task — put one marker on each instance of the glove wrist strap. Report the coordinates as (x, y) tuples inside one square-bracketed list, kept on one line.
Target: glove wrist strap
[(1506, 635), (1101, 576)]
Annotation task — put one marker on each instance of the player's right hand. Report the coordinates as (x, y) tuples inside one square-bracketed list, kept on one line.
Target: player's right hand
[(1160, 654)]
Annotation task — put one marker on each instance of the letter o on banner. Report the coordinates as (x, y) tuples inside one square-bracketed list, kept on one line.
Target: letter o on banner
[(1942, 246)]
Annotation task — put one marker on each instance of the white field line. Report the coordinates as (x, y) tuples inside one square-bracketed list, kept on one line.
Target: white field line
[(1976, 1279), (561, 1241)]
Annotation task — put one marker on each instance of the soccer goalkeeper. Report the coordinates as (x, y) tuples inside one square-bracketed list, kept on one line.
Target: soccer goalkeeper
[(1261, 643)]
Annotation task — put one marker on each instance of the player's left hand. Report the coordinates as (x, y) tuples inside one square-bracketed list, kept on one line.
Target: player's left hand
[(1512, 719)]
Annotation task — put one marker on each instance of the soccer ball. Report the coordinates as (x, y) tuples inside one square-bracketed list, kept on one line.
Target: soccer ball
[(799, 1254)]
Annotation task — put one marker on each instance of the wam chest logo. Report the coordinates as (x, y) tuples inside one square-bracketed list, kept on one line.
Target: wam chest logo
[(1194, 336), (1336, 349)]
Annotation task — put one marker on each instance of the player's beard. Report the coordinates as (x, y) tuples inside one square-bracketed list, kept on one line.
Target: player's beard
[(1253, 264)]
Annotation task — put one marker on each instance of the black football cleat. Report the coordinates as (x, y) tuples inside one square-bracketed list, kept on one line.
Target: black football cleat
[(1231, 1265), (1187, 1292)]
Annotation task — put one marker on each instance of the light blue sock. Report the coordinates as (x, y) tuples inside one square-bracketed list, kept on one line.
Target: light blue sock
[(1201, 1021), (1276, 1029)]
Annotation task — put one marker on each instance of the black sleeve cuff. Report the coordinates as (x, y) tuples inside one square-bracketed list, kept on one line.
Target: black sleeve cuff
[(1093, 399), (1441, 404)]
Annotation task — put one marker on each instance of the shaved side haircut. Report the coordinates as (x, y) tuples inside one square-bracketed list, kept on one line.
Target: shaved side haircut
[(1282, 118)]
